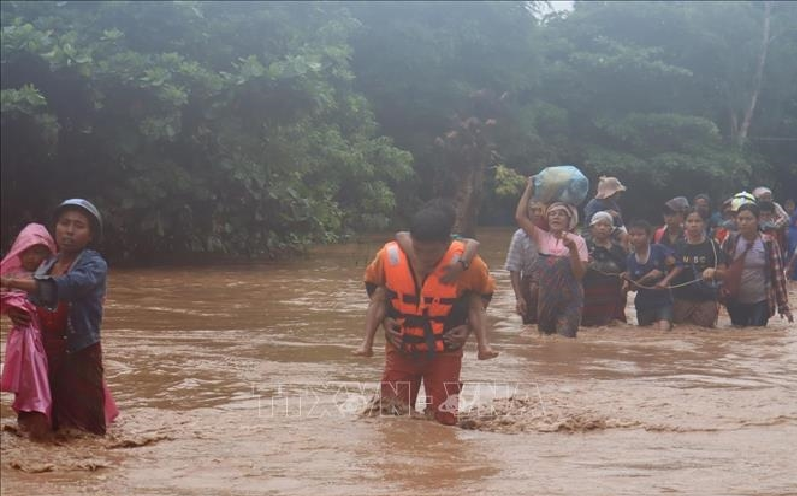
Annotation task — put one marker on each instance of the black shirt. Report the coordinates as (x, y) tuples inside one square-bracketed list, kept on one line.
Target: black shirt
[(694, 259), (606, 260)]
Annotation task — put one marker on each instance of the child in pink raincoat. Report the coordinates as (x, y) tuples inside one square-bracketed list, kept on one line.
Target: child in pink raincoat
[(25, 369)]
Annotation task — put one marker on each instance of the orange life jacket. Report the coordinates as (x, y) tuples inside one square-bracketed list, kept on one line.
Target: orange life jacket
[(422, 315)]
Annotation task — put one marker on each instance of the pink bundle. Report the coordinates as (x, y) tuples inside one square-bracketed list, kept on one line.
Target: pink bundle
[(25, 368)]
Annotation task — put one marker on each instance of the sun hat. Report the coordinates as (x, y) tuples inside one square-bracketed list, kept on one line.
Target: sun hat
[(608, 186)]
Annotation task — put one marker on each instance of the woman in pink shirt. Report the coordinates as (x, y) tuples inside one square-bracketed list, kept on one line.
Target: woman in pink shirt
[(562, 265)]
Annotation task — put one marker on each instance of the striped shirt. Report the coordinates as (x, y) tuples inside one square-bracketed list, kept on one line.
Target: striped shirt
[(522, 254)]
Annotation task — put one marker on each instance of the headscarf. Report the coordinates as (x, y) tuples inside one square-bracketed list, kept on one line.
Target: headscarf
[(570, 210), (601, 216), (33, 234)]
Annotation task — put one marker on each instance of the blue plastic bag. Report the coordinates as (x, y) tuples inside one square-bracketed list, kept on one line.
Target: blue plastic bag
[(563, 183)]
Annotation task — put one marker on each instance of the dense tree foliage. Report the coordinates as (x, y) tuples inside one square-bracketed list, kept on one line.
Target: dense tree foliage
[(222, 127), (246, 127), (656, 92)]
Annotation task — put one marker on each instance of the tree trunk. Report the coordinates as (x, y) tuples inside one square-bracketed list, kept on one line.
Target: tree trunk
[(470, 150), (462, 204), (734, 122), (468, 198), (759, 76)]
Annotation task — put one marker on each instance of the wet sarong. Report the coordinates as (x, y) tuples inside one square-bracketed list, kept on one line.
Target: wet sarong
[(561, 297), (699, 313), (76, 379), (603, 300)]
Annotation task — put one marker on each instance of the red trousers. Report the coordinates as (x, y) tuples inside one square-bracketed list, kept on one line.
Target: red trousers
[(403, 374)]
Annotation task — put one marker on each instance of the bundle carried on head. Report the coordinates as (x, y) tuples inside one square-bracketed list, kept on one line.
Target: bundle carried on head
[(564, 183), (740, 199)]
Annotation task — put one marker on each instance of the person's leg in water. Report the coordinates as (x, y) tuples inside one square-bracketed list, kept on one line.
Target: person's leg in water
[(531, 293), (665, 318), (739, 314), (569, 319), (546, 314), (477, 320), (442, 385), (645, 317), (401, 382), (377, 309), (36, 424), (759, 314)]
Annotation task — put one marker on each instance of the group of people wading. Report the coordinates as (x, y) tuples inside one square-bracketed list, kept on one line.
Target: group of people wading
[(681, 272), (429, 289)]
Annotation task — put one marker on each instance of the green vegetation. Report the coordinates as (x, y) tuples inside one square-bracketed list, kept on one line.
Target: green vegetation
[(245, 128)]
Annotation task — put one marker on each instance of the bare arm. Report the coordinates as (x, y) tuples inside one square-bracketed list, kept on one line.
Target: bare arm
[(517, 286), (27, 284), (514, 278), (478, 321), (578, 267), (664, 283), (404, 241), (521, 213), (715, 273), (373, 317), (471, 245)]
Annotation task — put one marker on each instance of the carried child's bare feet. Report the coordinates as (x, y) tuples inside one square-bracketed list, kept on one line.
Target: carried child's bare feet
[(363, 351), (487, 354)]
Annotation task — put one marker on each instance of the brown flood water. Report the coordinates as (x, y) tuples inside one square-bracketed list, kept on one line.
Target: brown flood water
[(239, 381)]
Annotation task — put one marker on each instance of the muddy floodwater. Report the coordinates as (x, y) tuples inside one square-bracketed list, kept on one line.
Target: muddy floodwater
[(239, 381)]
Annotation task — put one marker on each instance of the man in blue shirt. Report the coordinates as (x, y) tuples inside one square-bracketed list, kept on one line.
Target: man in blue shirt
[(609, 190)]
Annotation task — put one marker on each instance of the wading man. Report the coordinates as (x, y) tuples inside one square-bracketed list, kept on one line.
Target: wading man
[(427, 320)]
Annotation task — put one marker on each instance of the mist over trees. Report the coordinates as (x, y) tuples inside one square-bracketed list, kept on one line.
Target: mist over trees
[(247, 127)]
